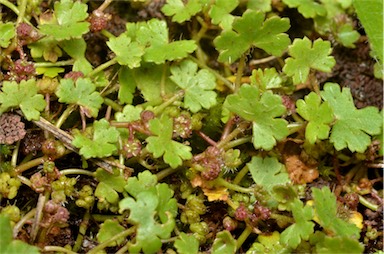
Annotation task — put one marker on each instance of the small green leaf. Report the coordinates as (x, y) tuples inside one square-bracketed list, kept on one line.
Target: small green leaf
[(127, 52), (308, 8), (152, 210), (347, 35), (76, 48), (147, 79), (352, 125), (339, 245), (153, 34), (252, 30), (326, 211), (144, 181), (101, 144), (269, 244), (319, 116), (7, 31), (108, 229), (10, 246), (266, 79), (81, 93), (70, 21), (303, 226), (181, 10), (261, 5), (220, 12), (23, 95), (224, 243), (370, 14), (129, 114), (262, 110), (305, 56), (186, 244), (267, 172), (162, 144), (197, 85)]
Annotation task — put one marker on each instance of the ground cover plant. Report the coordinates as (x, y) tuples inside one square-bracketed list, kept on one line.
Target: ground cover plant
[(200, 126)]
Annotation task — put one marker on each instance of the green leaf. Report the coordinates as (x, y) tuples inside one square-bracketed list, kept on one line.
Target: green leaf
[(109, 229), (370, 14), (162, 144), (23, 95), (147, 79), (76, 48), (308, 8), (70, 21), (262, 110), (305, 56), (267, 172), (7, 31), (326, 211), (10, 246), (224, 243), (152, 210), (129, 114), (186, 244), (347, 35), (115, 180), (251, 30), (269, 244), (261, 5), (197, 85), (319, 116), (127, 52), (181, 10), (49, 71), (339, 245), (47, 47), (81, 93), (101, 144), (144, 181), (352, 125), (220, 12), (266, 79), (303, 226), (153, 34)]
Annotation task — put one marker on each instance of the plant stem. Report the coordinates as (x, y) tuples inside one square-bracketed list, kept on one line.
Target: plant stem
[(239, 73), (22, 221), (56, 64), (237, 142), (218, 75), (368, 204), (57, 249), (22, 7), (240, 175), (262, 60), (165, 172), (76, 171), (15, 155), (242, 127), (113, 104), (82, 230), (102, 67), (104, 217), (168, 102), (13, 8), (30, 164), (105, 244), (244, 235), (123, 250), (24, 180), (67, 112), (231, 186)]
